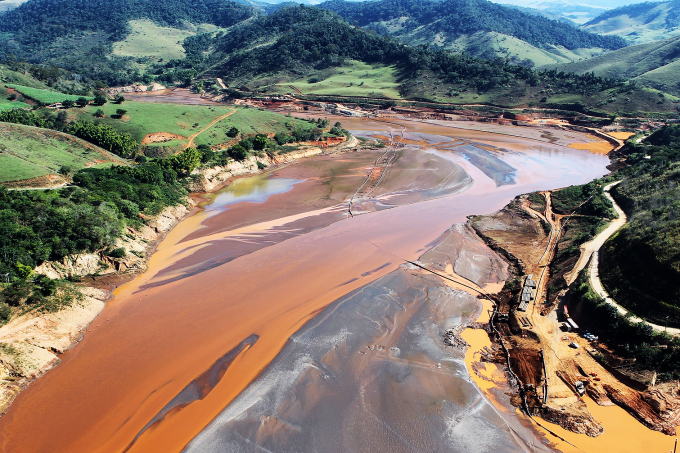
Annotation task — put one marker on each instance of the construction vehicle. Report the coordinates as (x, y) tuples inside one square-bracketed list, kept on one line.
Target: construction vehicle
[(580, 388)]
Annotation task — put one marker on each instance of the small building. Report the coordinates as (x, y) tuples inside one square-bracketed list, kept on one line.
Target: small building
[(530, 281)]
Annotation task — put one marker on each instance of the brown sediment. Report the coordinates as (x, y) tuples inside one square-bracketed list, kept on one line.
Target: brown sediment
[(166, 330), (158, 137), (621, 135), (599, 147), (532, 335)]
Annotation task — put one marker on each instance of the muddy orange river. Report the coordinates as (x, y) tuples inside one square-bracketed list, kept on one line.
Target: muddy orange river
[(272, 320)]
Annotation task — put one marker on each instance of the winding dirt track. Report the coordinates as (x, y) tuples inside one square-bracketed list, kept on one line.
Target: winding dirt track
[(190, 143), (592, 249)]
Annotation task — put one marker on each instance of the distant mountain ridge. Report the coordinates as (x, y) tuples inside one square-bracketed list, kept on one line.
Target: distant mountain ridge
[(639, 23), (656, 64), (479, 27)]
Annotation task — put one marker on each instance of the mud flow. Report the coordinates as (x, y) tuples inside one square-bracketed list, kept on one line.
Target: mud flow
[(282, 316)]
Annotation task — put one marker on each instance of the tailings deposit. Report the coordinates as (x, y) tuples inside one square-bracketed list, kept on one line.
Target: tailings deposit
[(273, 319)]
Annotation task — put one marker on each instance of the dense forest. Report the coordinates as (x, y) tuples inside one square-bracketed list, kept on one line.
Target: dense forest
[(641, 264), (465, 17), (77, 35)]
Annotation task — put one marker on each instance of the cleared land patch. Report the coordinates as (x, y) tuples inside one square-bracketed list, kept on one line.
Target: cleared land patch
[(9, 105), (45, 96), (29, 152), (353, 79), (147, 39)]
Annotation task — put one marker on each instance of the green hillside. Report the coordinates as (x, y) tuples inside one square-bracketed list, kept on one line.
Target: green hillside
[(29, 152), (640, 265), (44, 96), (477, 27), (654, 64), (640, 22)]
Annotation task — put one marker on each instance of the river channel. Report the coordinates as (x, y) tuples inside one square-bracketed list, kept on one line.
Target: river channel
[(273, 320)]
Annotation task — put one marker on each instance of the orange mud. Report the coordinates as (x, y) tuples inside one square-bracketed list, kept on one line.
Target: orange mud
[(621, 135), (170, 325), (622, 434), (488, 375), (599, 147)]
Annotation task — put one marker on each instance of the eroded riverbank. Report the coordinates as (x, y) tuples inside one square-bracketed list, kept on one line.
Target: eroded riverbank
[(206, 315)]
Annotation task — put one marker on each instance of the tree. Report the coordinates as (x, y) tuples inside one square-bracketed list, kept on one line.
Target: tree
[(282, 138), (66, 170), (232, 132), (260, 142), (121, 112), (119, 99), (238, 152), (99, 113), (99, 100), (23, 272), (82, 102), (67, 104)]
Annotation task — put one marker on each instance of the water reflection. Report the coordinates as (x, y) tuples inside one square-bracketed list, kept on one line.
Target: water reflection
[(254, 189)]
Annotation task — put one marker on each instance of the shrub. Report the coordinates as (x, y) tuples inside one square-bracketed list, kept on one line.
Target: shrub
[(117, 253), (238, 152)]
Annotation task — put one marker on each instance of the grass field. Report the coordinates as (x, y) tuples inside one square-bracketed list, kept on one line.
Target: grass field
[(147, 39), (29, 152), (9, 105), (144, 118), (44, 96), (250, 121), (353, 79)]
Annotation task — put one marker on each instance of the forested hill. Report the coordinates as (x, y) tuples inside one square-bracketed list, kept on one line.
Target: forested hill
[(466, 17), (78, 34), (295, 40)]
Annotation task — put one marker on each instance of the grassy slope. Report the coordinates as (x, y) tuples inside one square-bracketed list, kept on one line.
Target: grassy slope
[(637, 23), (9, 76), (498, 45), (355, 78), (9, 105), (653, 64), (147, 39), (29, 152), (42, 95), (144, 118)]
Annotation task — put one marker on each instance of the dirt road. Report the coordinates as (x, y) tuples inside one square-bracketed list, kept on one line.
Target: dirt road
[(190, 143), (592, 250)]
